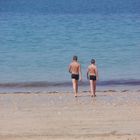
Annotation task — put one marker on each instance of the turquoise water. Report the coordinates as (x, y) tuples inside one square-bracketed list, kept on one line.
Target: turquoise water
[(38, 47)]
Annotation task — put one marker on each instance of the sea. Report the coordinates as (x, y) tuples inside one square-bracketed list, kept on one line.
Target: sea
[(36, 48)]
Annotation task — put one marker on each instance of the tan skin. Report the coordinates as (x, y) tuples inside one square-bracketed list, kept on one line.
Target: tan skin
[(75, 68), (92, 71)]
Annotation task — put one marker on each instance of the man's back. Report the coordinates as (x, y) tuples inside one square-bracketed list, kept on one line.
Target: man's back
[(92, 69), (74, 67), (75, 70)]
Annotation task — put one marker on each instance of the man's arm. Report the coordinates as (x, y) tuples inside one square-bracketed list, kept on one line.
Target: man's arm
[(80, 72), (69, 68), (88, 73), (96, 71)]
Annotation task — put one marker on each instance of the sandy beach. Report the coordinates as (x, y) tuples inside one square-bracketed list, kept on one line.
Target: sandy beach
[(112, 115)]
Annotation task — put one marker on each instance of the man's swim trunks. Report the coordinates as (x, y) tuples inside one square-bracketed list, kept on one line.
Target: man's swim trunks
[(93, 77), (75, 76)]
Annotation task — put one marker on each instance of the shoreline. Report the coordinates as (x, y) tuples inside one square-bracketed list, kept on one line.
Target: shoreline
[(50, 87), (21, 84), (84, 89), (112, 90)]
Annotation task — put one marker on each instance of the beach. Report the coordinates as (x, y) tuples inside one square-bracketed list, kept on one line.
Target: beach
[(38, 41), (112, 115)]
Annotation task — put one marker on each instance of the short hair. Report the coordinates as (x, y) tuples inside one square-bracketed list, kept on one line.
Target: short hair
[(75, 57), (92, 61)]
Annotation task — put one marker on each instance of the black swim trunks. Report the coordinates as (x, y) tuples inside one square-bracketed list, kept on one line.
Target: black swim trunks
[(93, 77), (75, 76)]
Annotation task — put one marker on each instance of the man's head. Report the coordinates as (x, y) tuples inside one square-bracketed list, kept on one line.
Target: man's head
[(75, 58), (92, 61)]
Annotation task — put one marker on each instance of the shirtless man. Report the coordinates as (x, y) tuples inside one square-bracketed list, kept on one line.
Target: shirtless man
[(75, 70), (92, 75)]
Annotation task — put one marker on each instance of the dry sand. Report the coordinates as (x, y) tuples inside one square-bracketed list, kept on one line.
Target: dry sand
[(60, 116)]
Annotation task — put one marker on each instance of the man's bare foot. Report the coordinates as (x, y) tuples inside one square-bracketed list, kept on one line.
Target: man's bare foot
[(93, 95), (75, 96)]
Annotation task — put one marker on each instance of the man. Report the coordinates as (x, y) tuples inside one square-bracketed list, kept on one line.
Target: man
[(92, 75), (75, 70)]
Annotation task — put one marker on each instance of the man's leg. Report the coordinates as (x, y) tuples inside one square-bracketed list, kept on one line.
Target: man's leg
[(74, 87), (94, 87), (91, 87)]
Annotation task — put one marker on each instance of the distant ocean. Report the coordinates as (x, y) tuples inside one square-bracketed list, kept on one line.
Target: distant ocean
[(37, 48)]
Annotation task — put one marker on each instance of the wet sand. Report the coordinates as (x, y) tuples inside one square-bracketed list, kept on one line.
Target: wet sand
[(112, 115)]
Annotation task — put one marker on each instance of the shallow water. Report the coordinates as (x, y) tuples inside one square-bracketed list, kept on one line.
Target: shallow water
[(40, 47), (38, 41)]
